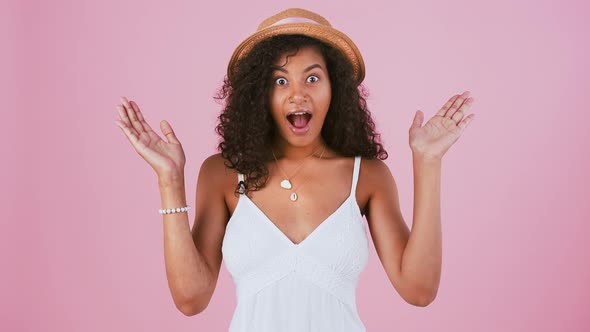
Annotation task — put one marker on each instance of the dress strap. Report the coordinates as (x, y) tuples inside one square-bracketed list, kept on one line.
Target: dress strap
[(355, 174), (241, 179)]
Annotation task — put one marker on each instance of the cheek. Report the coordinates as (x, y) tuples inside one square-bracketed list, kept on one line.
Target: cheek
[(322, 103), (275, 102), (326, 96)]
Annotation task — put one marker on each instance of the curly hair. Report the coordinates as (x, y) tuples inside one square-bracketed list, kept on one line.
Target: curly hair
[(246, 126)]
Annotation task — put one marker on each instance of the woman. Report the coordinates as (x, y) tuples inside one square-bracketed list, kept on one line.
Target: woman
[(300, 165)]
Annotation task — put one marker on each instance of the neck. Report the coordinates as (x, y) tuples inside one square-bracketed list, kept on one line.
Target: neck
[(283, 150)]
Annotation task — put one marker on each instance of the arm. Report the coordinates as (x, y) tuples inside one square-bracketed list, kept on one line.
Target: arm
[(193, 258), (401, 251), (186, 270), (413, 261), (422, 257)]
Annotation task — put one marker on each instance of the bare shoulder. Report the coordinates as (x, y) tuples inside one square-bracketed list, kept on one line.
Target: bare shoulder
[(212, 185), (374, 173), (373, 176), (215, 165)]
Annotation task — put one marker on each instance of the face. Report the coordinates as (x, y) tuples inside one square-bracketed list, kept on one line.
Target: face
[(300, 96)]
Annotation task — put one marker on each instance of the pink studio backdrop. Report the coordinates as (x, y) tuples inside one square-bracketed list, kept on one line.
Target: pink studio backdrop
[(81, 239)]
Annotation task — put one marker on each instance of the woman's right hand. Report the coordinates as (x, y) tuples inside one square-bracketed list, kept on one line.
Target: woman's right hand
[(166, 158)]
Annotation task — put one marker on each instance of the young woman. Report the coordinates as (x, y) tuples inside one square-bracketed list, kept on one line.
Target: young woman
[(300, 164)]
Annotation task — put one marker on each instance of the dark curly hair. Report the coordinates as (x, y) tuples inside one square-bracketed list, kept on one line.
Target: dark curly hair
[(246, 126)]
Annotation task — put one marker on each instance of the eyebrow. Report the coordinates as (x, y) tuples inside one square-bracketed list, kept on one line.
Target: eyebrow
[(306, 69)]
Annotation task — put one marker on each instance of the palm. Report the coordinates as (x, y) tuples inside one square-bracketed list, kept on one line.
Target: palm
[(443, 130), (163, 157)]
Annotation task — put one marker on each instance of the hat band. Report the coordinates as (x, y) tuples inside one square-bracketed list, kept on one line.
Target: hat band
[(294, 20)]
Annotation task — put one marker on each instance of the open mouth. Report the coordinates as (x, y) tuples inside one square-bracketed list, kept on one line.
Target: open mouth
[(299, 120)]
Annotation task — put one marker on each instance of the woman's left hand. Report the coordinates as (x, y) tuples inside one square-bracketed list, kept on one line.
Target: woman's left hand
[(441, 131)]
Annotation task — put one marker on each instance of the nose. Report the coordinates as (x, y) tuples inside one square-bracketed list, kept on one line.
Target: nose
[(298, 94)]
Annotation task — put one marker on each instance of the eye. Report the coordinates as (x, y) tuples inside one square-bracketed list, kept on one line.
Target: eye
[(312, 78), (281, 81)]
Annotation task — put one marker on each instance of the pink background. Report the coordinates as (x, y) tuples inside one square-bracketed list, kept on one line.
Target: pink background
[(81, 240)]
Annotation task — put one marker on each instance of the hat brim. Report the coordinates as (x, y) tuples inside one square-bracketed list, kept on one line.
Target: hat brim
[(324, 33)]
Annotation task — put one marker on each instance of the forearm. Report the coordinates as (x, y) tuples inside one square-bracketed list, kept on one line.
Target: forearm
[(422, 257), (188, 274)]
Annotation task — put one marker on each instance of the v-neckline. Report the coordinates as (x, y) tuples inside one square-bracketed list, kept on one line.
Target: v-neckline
[(282, 234)]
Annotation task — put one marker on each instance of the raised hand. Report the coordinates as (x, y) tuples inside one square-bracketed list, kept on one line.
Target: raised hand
[(438, 134), (166, 158)]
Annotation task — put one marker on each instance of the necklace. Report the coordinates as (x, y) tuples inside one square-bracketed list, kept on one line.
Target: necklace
[(293, 195), (286, 183)]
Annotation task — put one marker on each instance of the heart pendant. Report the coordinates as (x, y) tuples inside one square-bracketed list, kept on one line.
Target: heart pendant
[(286, 184), (293, 197)]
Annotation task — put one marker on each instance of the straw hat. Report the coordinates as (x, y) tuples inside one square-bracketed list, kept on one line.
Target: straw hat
[(303, 22)]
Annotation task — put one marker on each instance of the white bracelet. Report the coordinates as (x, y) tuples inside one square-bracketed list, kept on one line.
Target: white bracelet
[(178, 209)]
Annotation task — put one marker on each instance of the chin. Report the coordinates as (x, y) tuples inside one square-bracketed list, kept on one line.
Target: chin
[(301, 139)]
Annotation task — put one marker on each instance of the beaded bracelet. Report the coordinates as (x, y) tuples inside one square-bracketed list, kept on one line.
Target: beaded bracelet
[(174, 210)]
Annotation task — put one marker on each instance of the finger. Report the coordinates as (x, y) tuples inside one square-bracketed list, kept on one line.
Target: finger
[(467, 104), (168, 132), (131, 114), (146, 126), (463, 109), (128, 127), (418, 118), (443, 110), (466, 121), (123, 115), (131, 136), (456, 104), (139, 116)]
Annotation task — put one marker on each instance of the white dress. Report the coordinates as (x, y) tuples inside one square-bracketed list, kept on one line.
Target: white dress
[(305, 287)]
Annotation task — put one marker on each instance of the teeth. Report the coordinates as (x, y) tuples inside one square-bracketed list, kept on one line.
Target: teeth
[(298, 113)]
